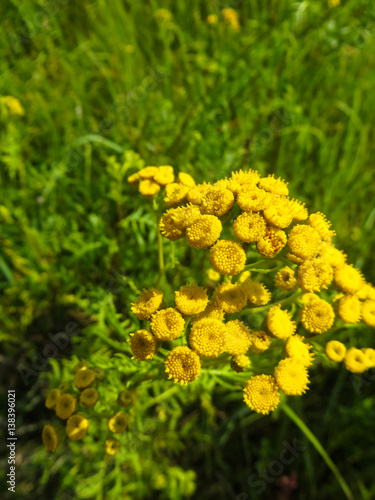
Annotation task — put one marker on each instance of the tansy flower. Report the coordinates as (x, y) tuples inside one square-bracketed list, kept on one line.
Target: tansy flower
[(348, 278), (240, 180), (297, 349), (204, 232), (365, 292), (133, 179), (213, 275), (212, 19), (368, 312), (331, 255), (349, 309), (240, 363), (253, 200), (278, 212), (211, 311), (370, 357), (292, 377), (227, 257), (317, 316), (118, 423), (50, 437), (229, 297), (207, 338), (164, 175), (260, 342), (191, 299), (148, 172), (148, 188), (13, 105), (243, 277), (186, 179), (147, 303), (335, 351), (52, 398), (176, 194), (308, 297), (217, 201), (279, 322), (256, 293), (65, 406), (314, 275), (182, 365), (304, 241), (84, 378), (294, 258), (271, 243), (196, 194), (261, 394), (89, 397), (249, 226), (275, 186), (285, 279), (237, 337), (143, 345), (76, 427), (167, 324), (230, 17), (112, 447), (125, 398), (298, 210), (319, 222), (355, 360), (167, 225), (184, 217)]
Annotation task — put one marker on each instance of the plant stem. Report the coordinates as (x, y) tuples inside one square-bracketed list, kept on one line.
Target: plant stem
[(283, 302), (318, 446)]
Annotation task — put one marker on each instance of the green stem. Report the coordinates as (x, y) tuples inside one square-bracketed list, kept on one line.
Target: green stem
[(283, 302), (317, 445)]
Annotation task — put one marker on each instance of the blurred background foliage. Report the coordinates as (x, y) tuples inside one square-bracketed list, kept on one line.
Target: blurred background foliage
[(107, 87)]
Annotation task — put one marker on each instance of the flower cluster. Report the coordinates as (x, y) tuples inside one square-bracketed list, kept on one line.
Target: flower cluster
[(151, 180), (314, 292)]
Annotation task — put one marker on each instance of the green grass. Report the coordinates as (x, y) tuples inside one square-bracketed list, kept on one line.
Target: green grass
[(290, 94)]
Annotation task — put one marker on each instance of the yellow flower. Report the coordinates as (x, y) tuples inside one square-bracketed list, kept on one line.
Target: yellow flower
[(164, 176), (240, 363), (183, 365), (292, 377), (240, 180), (349, 309), (66, 406), (253, 200), (230, 17), (148, 188), (167, 324), (212, 275), (370, 357), (319, 222), (261, 394), (278, 212), (196, 194), (298, 210), (207, 338), (118, 423), (294, 258), (260, 342), (256, 293), (204, 232), (349, 279), (243, 277), (304, 241), (125, 398), (175, 194), (212, 311), (273, 185), (237, 337), (314, 275), (366, 291), (297, 349), (212, 19), (228, 257), (272, 242), (84, 378), (331, 255), (52, 398), (167, 225), (143, 345), (82, 365), (50, 437), (335, 351), (134, 179), (148, 172), (191, 299), (250, 226), (147, 303), (217, 201), (355, 360), (229, 297), (112, 447), (285, 279), (76, 427), (186, 179), (279, 322), (13, 105), (368, 312), (89, 397), (317, 316)]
